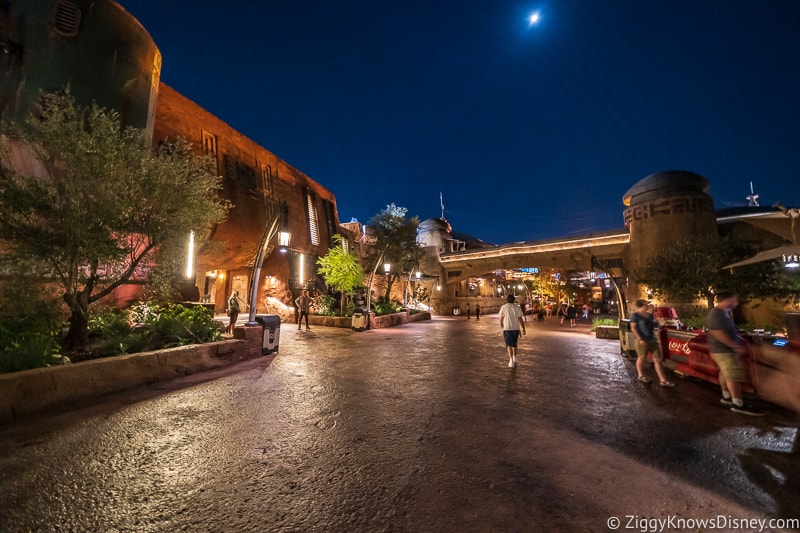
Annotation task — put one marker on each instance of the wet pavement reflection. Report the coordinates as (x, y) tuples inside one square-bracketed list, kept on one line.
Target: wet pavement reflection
[(421, 427)]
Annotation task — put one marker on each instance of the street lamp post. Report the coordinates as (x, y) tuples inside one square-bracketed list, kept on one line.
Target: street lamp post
[(283, 244), (371, 276)]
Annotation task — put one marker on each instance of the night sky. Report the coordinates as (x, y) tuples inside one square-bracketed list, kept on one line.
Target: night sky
[(529, 131)]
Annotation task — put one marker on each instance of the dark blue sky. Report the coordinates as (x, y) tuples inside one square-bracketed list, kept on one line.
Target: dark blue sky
[(529, 132)]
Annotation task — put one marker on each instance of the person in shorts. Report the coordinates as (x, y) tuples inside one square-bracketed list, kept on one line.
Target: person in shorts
[(512, 321), (643, 326), (726, 348)]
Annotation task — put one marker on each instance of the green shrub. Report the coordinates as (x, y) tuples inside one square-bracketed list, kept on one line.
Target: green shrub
[(156, 326), (31, 315), (604, 322), (696, 322), (325, 305), (175, 325), (24, 350), (107, 322), (382, 307)]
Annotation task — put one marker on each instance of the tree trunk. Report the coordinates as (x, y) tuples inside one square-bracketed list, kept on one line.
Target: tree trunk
[(389, 283), (78, 333)]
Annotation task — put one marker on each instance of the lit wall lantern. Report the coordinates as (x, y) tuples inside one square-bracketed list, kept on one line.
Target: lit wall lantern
[(418, 275), (791, 260), (190, 257), (283, 241), (387, 268)]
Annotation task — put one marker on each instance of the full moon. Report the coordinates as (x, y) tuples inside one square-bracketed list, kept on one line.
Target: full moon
[(534, 18)]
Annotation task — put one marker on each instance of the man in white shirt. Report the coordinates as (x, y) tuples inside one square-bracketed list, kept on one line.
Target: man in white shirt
[(512, 321)]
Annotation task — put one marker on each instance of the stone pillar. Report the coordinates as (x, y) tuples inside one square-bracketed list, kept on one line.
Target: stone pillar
[(664, 209)]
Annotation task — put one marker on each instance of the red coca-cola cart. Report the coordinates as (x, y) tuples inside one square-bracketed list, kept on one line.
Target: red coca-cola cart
[(772, 364)]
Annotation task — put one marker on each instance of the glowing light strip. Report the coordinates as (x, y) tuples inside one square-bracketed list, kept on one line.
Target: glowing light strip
[(190, 257), (302, 268)]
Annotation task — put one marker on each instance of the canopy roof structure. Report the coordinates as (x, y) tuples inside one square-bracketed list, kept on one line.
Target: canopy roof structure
[(768, 255)]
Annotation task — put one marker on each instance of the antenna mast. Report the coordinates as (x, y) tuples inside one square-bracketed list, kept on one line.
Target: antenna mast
[(752, 198)]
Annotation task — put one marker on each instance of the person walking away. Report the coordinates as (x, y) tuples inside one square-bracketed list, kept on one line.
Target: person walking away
[(468, 311), (643, 326), (477, 311), (562, 314), (571, 314), (512, 321), (303, 303), (726, 347), (233, 310)]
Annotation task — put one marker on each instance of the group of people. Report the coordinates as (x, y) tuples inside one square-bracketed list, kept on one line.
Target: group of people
[(724, 342), (303, 303), (477, 311), (725, 346)]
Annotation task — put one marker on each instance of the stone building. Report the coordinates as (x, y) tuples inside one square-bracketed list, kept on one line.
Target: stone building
[(104, 55), (261, 187)]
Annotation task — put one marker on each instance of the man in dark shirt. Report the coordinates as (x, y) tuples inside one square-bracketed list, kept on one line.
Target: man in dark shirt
[(643, 326), (726, 347)]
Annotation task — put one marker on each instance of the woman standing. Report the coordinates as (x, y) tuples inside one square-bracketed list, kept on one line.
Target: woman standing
[(233, 310)]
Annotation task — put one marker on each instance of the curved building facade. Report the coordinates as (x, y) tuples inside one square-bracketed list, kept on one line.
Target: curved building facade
[(662, 209), (94, 47)]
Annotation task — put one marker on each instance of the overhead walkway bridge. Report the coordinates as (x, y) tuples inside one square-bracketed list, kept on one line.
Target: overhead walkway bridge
[(598, 251)]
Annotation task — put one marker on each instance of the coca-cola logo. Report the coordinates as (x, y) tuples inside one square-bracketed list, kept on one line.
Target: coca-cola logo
[(678, 346)]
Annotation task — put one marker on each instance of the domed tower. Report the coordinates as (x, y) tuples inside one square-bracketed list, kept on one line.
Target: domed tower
[(663, 209), (434, 236), (94, 47), (434, 233)]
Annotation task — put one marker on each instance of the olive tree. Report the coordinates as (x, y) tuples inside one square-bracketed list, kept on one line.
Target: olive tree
[(341, 270), (396, 238), (694, 269), (86, 203)]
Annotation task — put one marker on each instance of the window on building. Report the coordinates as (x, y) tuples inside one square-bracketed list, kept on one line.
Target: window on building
[(330, 220), (313, 220), (209, 142), (266, 180)]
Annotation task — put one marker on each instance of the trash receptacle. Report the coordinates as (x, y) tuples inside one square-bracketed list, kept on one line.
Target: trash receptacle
[(627, 346), (271, 333), (359, 322)]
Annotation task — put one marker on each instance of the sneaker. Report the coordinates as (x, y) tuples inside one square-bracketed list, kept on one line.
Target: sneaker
[(510, 363), (747, 410), (726, 401), (514, 360)]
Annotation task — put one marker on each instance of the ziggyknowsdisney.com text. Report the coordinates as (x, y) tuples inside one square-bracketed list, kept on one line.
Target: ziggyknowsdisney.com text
[(726, 522)]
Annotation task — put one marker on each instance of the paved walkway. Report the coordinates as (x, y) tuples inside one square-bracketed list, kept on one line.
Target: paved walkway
[(420, 427)]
